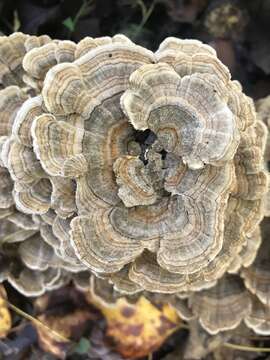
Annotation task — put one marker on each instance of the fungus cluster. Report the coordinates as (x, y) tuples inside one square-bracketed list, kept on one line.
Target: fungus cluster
[(136, 169)]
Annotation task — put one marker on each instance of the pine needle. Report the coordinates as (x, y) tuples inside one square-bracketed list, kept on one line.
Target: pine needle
[(246, 347), (36, 321), (238, 346)]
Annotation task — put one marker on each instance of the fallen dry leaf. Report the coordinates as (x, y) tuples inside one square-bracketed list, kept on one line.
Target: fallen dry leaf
[(5, 317), (69, 326), (139, 328)]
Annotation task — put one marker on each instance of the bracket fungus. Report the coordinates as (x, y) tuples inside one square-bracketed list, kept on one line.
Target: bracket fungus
[(222, 307), (179, 233), (143, 170)]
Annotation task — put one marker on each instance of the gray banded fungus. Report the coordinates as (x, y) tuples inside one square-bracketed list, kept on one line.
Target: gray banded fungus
[(222, 307), (12, 51), (257, 275), (178, 213), (136, 170), (35, 191), (259, 318), (208, 200), (23, 266), (189, 115), (33, 258)]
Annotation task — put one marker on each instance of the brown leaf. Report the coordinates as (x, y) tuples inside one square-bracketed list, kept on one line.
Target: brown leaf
[(70, 326)]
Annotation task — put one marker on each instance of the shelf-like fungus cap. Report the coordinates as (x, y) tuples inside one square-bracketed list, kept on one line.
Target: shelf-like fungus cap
[(171, 106), (263, 110), (33, 282), (102, 292), (144, 170), (36, 254), (11, 99), (257, 275), (6, 187), (26, 257), (81, 280), (136, 185), (88, 43), (179, 212), (222, 307), (248, 253), (40, 59), (259, 318), (61, 230), (123, 284), (21, 129), (191, 56), (12, 51), (34, 199), (73, 95)]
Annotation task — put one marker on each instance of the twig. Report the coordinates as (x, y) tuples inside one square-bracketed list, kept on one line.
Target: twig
[(235, 346), (36, 321), (81, 11), (145, 15), (71, 23), (246, 347)]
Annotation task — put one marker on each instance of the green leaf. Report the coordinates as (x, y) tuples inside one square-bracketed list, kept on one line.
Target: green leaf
[(69, 23), (83, 346)]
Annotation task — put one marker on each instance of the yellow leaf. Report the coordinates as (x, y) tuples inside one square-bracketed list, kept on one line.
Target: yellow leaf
[(5, 317), (138, 328)]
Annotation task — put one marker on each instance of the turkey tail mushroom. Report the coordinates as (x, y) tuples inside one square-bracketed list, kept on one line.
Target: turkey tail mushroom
[(132, 172), (222, 307)]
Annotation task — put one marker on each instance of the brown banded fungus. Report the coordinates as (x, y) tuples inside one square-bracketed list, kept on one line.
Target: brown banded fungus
[(180, 212), (257, 275), (259, 318), (256, 272), (136, 169), (33, 258), (222, 307)]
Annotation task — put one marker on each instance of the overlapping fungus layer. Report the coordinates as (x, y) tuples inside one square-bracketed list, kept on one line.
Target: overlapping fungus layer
[(141, 170)]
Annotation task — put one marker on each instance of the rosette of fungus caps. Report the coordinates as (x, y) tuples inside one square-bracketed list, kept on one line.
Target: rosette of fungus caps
[(171, 214)]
